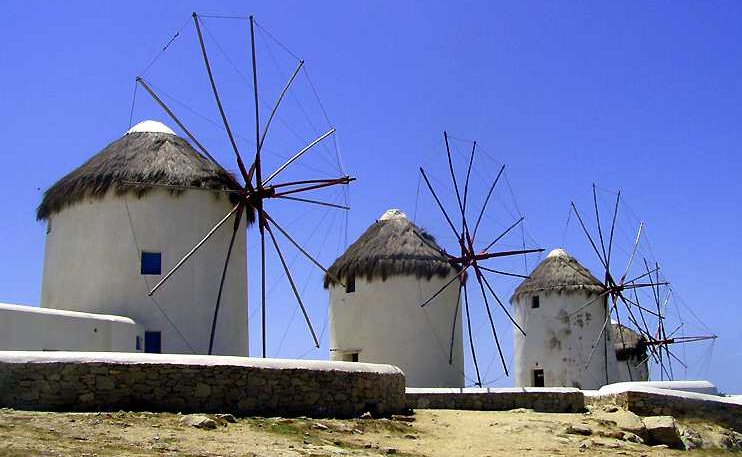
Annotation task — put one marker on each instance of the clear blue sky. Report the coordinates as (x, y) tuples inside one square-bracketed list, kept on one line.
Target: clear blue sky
[(646, 98)]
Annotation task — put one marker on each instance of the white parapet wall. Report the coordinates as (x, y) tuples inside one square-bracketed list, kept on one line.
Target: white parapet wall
[(80, 381), (29, 328)]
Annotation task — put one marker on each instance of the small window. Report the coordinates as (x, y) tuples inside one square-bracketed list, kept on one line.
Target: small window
[(153, 342), (538, 377), (535, 303), (350, 284), (151, 263), (350, 357), (139, 343)]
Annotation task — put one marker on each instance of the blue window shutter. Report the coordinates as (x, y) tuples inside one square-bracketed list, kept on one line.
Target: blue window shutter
[(151, 263)]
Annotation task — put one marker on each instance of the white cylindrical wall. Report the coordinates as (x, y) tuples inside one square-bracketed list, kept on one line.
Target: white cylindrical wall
[(559, 342), (27, 328), (633, 368), (383, 322), (93, 264)]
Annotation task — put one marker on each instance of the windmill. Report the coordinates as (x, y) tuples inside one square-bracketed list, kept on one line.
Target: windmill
[(621, 291), (471, 257), (257, 187)]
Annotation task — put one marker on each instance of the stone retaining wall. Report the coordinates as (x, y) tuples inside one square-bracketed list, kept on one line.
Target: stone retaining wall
[(552, 400), (177, 383), (678, 404)]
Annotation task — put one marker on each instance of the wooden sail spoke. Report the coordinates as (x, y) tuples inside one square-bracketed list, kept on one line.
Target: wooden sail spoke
[(320, 185), (600, 229), (314, 202), (486, 200), (278, 103), (453, 326), (503, 234), (492, 255), (468, 175), (471, 336), (303, 151), (628, 301), (589, 302), (293, 285), (175, 119), (235, 229), (613, 226), (459, 276), (478, 275), (300, 248), (455, 182), (237, 207), (504, 273), (499, 302), (218, 100), (263, 288), (257, 166), (440, 205), (633, 252), (589, 237)]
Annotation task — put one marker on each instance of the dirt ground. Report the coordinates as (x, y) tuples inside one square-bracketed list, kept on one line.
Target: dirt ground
[(432, 433)]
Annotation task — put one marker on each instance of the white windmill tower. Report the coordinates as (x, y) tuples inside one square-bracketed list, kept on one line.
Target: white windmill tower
[(122, 219), (376, 288), (562, 308)]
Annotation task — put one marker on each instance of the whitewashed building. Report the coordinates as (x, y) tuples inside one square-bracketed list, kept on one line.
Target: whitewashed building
[(562, 312), (30, 328), (376, 289), (123, 219)]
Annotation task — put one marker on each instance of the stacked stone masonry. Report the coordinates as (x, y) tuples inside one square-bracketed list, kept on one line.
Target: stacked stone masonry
[(240, 390), (538, 399), (723, 413)]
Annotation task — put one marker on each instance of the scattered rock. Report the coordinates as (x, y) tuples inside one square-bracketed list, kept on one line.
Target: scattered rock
[(320, 426), (390, 450), (227, 418), (691, 438), (632, 438), (628, 422), (562, 440), (366, 415), (730, 440), (410, 436), (610, 408), (521, 410), (615, 434), (198, 421), (585, 445), (401, 418), (579, 430), (663, 430)]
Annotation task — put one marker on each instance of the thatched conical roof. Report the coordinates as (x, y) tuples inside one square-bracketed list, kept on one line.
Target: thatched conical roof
[(149, 153), (391, 246), (632, 343), (558, 272)]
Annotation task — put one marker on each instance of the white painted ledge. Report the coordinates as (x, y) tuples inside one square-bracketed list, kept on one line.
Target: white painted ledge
[(61, 312), (132, 358), (489, 390), (619, 388)]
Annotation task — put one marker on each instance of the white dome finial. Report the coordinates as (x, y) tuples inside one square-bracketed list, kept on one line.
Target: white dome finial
[(558, 252), (393, 213), (150, 127)]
